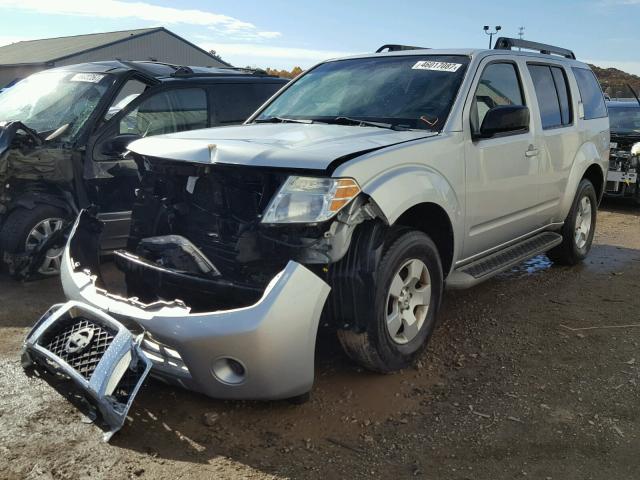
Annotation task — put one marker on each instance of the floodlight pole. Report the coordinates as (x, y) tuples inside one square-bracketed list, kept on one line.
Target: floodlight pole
[(488, 31)]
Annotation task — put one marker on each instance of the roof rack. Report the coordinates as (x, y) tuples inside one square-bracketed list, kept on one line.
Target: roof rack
[(505, 43), (392, 47)]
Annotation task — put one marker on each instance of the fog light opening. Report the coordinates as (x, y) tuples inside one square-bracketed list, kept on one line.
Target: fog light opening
[(229, 370)]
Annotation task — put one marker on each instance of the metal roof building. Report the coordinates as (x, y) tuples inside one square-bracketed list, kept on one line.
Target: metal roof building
[(21, 59)]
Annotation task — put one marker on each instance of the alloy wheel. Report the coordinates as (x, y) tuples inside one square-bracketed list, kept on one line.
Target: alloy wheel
[(583, 222), (40, 234), (408, 301)]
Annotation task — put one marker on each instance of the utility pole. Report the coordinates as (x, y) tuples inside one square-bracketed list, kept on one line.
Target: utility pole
[(520, 35), (488, 31)]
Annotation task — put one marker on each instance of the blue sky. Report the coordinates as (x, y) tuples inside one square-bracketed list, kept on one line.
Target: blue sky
[(286, 33)]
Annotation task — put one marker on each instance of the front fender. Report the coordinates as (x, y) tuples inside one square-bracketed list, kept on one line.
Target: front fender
[(397, 190), (30, 200)]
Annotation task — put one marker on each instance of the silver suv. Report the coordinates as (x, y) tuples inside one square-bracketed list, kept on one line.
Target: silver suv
[(351, 198)]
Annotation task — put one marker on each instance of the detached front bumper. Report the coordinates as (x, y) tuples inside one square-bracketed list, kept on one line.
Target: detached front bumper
[(264, 351)]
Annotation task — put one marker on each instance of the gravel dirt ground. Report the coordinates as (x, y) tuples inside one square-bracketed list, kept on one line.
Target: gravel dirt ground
[(534, 374)]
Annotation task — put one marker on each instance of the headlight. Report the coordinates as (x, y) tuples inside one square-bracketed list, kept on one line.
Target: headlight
[(310, 199)]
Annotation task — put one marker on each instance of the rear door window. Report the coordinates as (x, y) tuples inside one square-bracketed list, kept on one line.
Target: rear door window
[(590, 93), (168, 111), (234, 103), (562, 87), (551, 91)]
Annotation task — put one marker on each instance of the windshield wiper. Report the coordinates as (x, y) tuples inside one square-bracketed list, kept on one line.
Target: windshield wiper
[(282, 120), (360, 123)]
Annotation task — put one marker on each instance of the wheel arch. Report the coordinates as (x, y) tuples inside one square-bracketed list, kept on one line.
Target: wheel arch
[(31, 200), (588, 163), (596, 176), (420, 197), (434, 221)]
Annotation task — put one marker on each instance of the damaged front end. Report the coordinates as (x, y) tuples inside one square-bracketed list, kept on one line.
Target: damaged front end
[(34, 170), (27, 157), (223, 303)]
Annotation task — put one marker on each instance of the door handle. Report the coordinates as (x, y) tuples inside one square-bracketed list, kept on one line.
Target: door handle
[(531, 152)]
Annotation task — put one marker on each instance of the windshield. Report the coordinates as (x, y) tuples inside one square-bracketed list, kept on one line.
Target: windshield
[(625, 119), (48, 100), (414, 92)]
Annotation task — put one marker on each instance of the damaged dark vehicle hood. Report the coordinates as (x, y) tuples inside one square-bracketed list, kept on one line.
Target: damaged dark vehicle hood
[(288, 145)]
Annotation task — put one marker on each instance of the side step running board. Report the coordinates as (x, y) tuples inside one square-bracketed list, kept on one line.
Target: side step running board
[(486, 267)]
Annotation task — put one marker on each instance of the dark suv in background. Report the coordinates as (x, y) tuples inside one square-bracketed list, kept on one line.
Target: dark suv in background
[(64, 135), (623, 177)]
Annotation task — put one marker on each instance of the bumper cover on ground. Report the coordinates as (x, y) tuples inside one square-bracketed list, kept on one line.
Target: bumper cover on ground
[(102, 358)]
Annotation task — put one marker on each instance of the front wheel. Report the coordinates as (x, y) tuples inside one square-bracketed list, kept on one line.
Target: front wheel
[(25, 230), (579, 227), (407, 297)]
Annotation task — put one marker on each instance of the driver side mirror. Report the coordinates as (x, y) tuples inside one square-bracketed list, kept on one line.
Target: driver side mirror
[(635, 149), (504, 119), (116, 146)]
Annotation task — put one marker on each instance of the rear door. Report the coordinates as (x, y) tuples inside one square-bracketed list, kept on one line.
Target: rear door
[(502, 171), (557, 139)]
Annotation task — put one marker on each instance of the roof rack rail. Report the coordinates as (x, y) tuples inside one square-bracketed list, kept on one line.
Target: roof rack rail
[(505, 43), (393, 47)]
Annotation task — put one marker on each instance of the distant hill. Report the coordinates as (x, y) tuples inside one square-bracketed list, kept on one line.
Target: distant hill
[(614, 82)]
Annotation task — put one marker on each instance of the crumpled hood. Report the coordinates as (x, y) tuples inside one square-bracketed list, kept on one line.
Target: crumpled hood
[(287, 145)]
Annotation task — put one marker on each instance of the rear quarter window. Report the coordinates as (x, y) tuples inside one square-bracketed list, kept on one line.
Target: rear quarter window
[(590, 93)]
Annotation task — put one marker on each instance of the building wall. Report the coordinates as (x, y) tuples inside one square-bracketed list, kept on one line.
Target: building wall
[(160, 46), (9, 74)]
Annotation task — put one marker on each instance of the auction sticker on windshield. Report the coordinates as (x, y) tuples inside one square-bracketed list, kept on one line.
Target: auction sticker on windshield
[(87, 77), (436, 66)]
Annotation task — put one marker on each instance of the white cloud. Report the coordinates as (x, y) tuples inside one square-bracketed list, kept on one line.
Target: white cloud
[(115, 9), (271, 56), (624, 65)]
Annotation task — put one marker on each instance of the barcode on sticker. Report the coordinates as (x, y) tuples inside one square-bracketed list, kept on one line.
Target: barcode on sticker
[(87, 77), (436, 66)]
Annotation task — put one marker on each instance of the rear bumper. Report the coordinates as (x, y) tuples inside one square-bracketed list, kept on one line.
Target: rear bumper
[(264, 351)]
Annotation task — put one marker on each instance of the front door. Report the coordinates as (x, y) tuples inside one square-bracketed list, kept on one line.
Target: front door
[(502, 171)]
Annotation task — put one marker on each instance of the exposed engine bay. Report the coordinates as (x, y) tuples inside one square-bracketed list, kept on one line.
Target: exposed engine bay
[(624, 168), (197, 235)]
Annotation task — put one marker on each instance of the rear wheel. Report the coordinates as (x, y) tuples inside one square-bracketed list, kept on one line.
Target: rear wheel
[(579, 227), (407, 299), (26, 229)]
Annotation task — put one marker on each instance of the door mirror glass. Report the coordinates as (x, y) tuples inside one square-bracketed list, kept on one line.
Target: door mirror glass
[(503, 119)]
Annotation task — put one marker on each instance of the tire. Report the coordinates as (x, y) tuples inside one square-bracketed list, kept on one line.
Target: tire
[(574, 249), (21, 222), (377, 348)]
